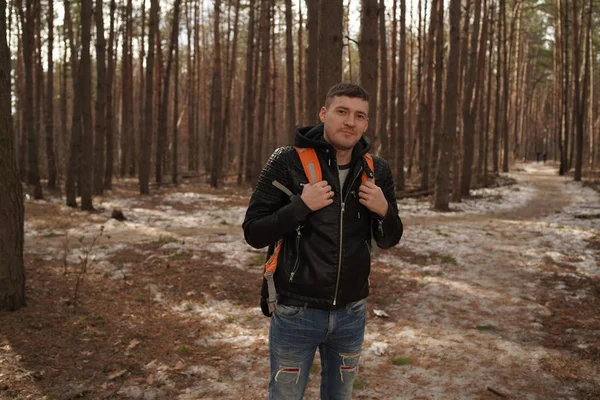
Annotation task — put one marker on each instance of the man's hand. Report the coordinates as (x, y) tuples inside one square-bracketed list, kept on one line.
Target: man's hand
[(317, 196), (371, 196)]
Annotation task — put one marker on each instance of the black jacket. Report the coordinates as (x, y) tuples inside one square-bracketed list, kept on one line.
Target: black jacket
[(325, 259)]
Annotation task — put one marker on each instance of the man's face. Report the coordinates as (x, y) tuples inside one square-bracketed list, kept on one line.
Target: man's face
[(345, 120)]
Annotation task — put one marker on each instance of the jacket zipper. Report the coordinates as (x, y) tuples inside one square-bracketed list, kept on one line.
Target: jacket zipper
[(339, 270), (297, 263)]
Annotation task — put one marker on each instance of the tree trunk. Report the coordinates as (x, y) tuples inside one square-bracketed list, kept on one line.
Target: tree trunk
[(87, 137), (399, 156), (50, 154), (300, 103), (28, 38), (442, 188), (176, 116), (367, 48), (265, 30), (331, 20), (564, 143), (439, 90), (108, 170), (227, 126), (161, 144), (12, 269), (311, 107), (247, 152), (73, 169), (392, 133), (425, 109), (146, 136), (470, 104), (217, 128), (383, 84), (289, 63), (126, 92), (498, 101), (101, 91)]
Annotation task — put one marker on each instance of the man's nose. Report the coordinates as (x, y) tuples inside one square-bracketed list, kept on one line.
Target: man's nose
[(350, 120)]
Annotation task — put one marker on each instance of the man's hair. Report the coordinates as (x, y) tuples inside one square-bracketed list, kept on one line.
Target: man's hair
[(348, 90)]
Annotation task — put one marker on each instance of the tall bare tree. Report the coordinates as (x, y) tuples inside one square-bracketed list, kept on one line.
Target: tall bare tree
[(289, 64), (442, 188), (164, 99), (110, 74), (331, 19), (87, 135), (470, 101), (74, 164), (127, 91), (12, 269), (367, 48), (247, 151), (146, 137), (101, 92), (217, 95), (311, 106), (400, 131), (382, 132), (27, 16), (50, 153)]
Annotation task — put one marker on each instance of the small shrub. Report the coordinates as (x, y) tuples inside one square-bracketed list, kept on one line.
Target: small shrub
[(183, 349), (401, 361), (485, 327), (448, 259)]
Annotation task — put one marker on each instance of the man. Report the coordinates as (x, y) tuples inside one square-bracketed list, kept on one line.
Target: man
[(322, 276)]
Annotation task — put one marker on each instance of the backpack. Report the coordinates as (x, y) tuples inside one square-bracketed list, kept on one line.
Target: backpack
[(312, 169)]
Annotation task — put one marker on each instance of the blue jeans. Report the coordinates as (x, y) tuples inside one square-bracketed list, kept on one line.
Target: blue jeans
[(295, 335)]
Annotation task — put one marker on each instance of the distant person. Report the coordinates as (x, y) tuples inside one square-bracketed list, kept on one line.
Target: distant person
[(325, 229), (537, 156), (545, 156)]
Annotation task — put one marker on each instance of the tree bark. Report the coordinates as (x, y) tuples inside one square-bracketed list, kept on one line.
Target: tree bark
[(264, 85), (442, 189), (289, 63), (399, 156), (28, 39), (126, 92), (217, 128), (470, 105), (110, 73), (12, 269), (247, 152), (367, 48), (426, 109), (382, 133), (161, 144), (146, 135), (87, 137), (331, 20), (50, 154), (101, 91), (311, 107)]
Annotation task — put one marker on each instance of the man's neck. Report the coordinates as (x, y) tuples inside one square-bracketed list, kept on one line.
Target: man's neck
[(343, 157)]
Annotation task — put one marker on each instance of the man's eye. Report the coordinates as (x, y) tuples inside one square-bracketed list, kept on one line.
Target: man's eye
[(361, 117), (342, 112)]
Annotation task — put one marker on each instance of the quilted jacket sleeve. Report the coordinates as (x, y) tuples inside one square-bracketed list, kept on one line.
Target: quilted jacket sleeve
[(271, 213)]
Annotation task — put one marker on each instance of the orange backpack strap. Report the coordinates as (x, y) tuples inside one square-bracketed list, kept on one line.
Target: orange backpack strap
[(369, 173), (310, 163), (270, 268)]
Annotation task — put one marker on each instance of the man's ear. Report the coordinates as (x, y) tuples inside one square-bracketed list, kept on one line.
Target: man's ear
[(322, 114)]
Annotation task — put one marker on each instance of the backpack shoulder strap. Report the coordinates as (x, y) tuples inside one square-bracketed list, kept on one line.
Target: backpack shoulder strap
[(369, 173), (310, 163)]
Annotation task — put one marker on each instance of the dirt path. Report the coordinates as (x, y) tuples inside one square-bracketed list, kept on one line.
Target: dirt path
[(478, 302)]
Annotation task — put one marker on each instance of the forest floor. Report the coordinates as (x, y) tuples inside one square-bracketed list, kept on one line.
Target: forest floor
[(497, 299)]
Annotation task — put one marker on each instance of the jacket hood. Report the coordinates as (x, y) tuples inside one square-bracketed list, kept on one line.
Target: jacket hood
[(313, 136)]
